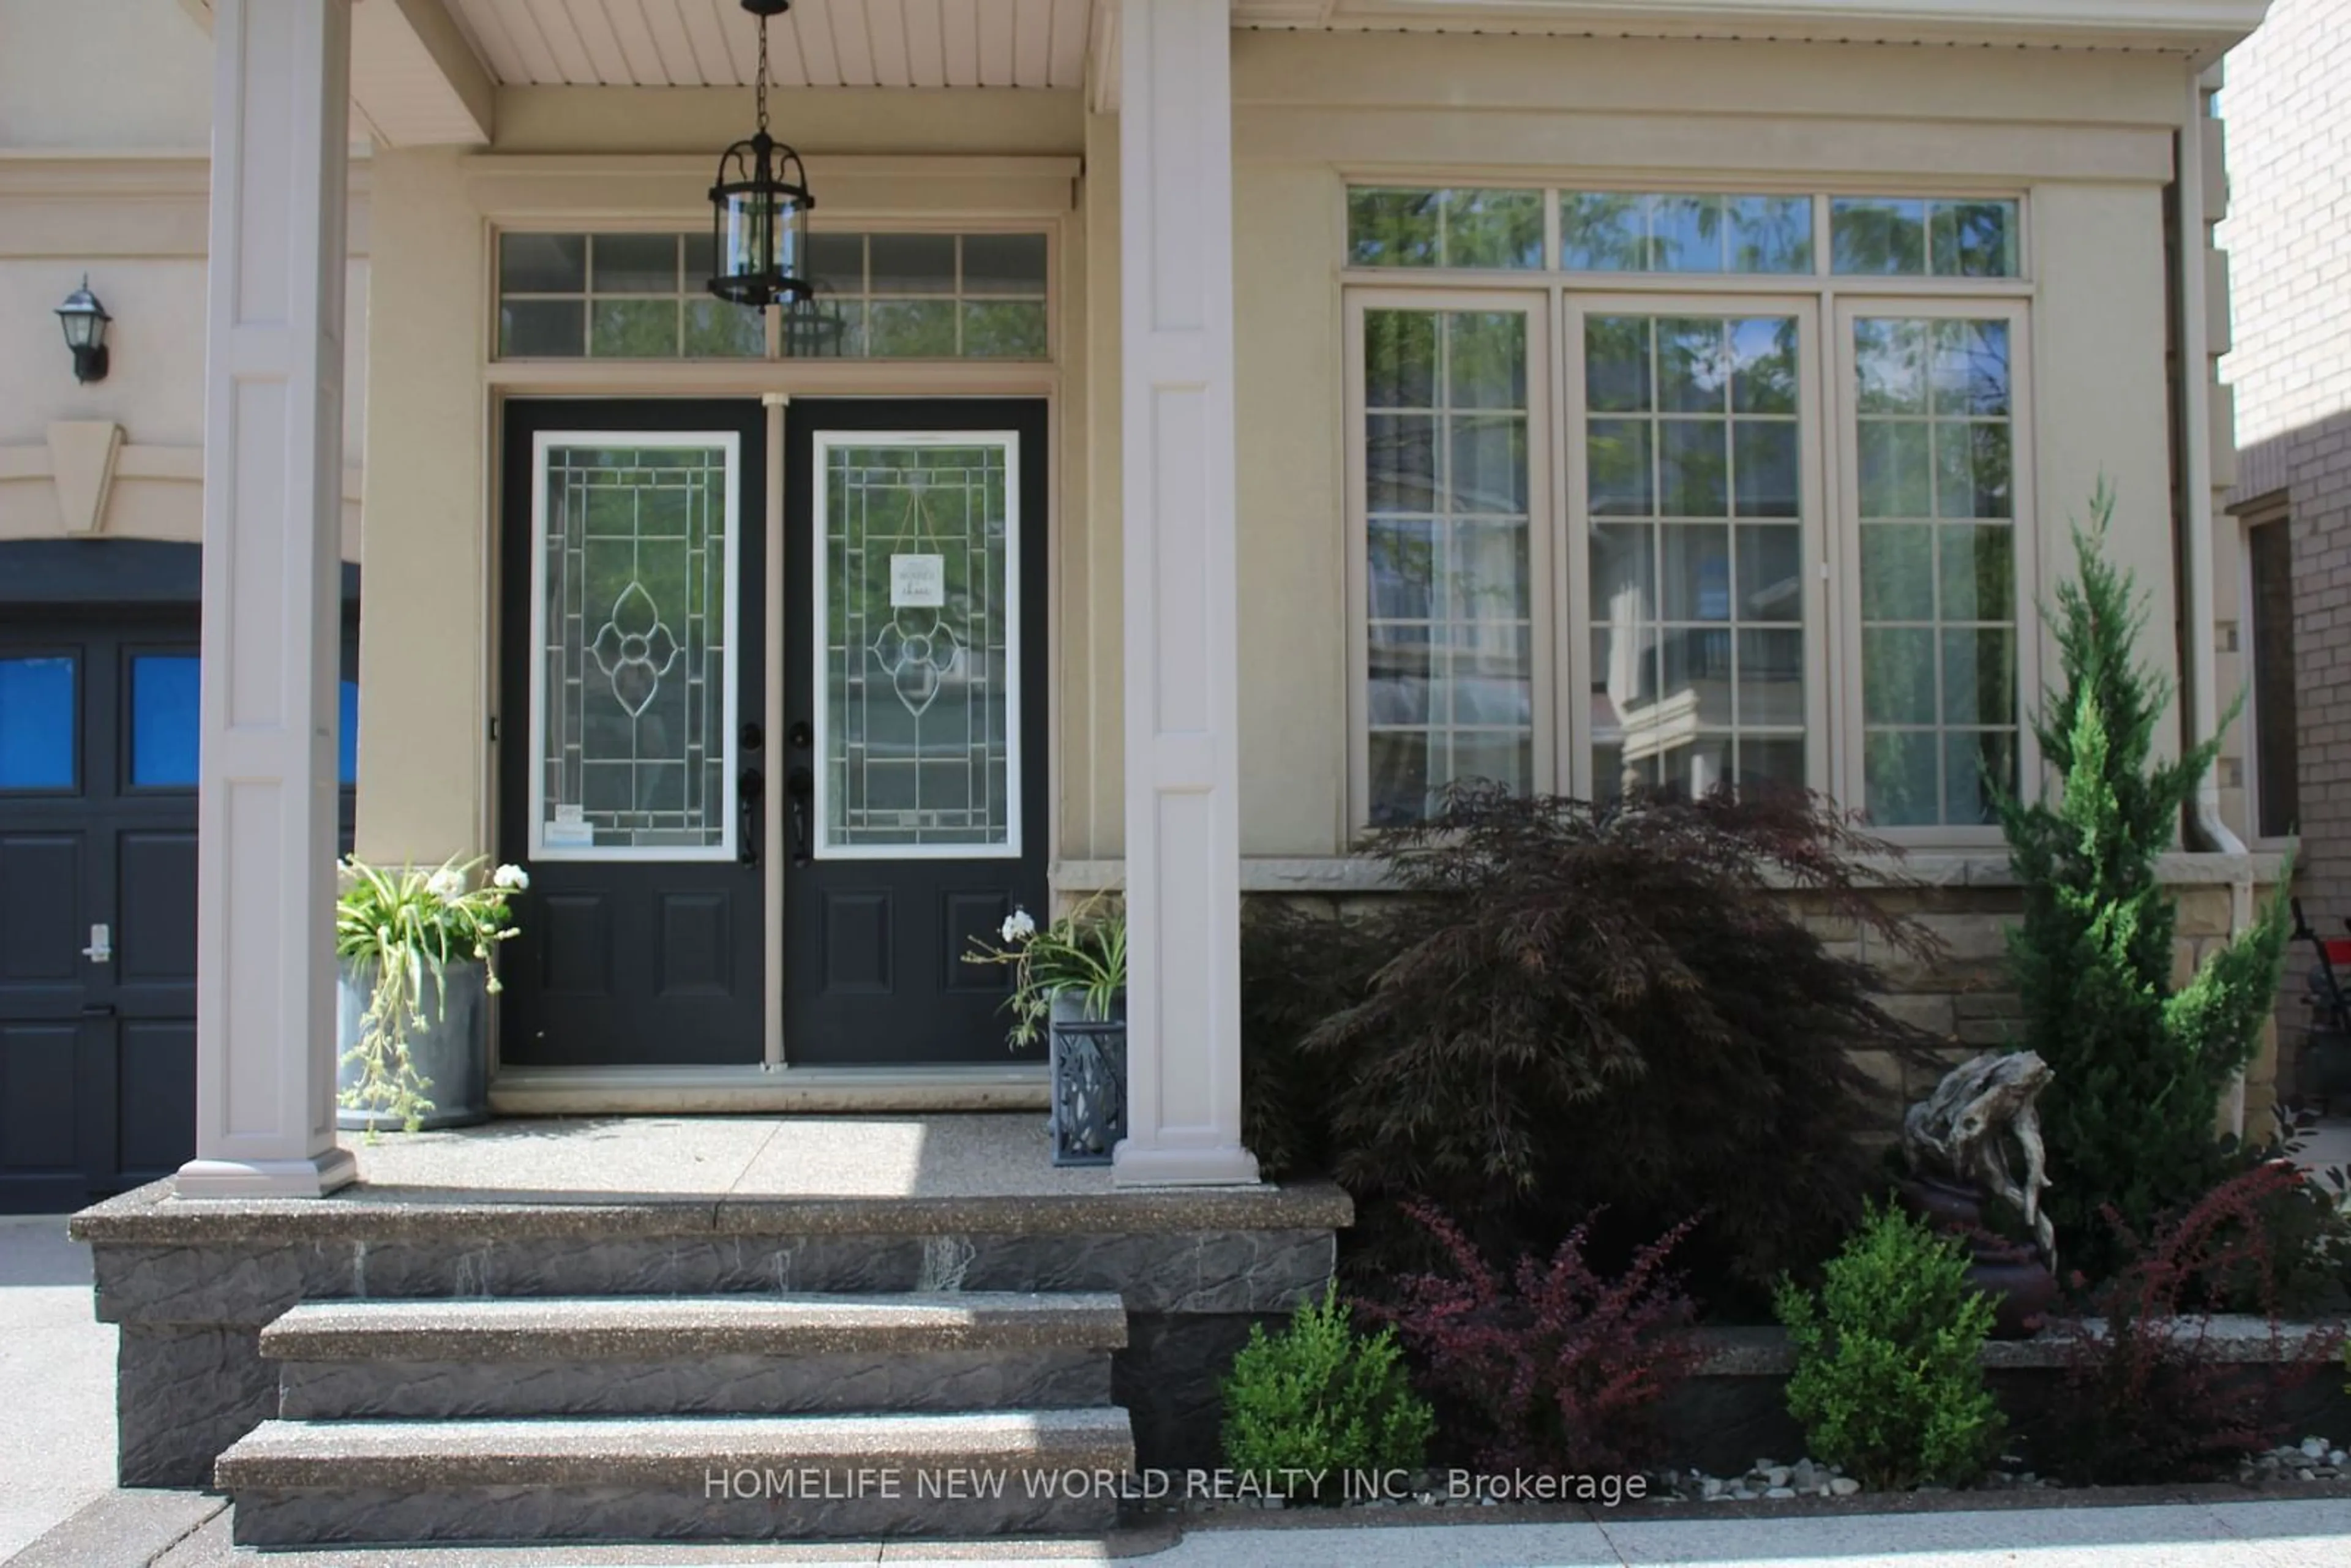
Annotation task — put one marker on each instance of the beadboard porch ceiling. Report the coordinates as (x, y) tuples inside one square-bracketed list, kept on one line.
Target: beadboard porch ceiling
[(817, 43), (1044, 43), (425, 69)]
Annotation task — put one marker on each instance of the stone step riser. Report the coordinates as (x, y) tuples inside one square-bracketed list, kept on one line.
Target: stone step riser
[(253, 1282), (741, 1478), (709, 1385), (640, 1512)]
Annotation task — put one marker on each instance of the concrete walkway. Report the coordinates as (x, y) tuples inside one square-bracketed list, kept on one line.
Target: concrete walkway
[(2286, 1534), (57, 1380)]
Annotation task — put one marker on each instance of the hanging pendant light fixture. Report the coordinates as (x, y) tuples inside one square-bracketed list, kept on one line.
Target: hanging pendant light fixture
[(759, 205)]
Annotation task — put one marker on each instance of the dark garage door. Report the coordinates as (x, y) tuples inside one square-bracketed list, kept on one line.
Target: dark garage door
[(98, 894)]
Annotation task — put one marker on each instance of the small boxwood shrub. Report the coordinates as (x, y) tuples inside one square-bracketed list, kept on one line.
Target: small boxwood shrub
[(1887, 1382), (1307, 1405)]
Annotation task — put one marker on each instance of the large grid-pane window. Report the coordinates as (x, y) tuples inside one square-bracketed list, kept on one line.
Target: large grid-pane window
[(1450, 584), (1934, 414), (1692, 441)]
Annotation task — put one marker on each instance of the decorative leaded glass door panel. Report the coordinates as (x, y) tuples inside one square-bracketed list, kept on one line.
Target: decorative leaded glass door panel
[(917, 593), (915, 773), (630, 761)]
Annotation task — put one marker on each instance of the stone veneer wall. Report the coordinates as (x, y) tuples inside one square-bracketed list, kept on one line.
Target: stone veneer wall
[(193, 1283), (1971, 903), (1967, 1001)]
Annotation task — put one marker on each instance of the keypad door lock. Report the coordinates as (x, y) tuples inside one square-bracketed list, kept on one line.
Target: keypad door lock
[(101, 945)]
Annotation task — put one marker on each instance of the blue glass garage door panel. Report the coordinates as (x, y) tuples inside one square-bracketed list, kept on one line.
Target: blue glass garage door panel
[(36, 723), (163, 720)]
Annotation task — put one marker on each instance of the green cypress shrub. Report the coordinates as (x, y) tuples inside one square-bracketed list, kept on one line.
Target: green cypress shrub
[(2130, 1114)]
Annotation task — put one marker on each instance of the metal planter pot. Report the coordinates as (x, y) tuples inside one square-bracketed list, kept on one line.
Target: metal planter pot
[(451, 1047), (1088, 1059)]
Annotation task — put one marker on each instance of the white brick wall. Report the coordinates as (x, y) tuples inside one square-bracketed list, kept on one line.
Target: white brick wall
[(2287, 103), (2288, 232)]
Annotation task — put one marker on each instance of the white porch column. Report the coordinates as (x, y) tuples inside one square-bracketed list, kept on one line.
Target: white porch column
[(1183, 815), (273, 506)]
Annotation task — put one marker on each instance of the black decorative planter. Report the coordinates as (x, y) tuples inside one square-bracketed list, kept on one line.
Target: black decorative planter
[(1088, 1057)]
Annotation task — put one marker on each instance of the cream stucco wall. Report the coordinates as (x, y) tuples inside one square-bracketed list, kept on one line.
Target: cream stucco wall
[(117, 75), (105, 117)]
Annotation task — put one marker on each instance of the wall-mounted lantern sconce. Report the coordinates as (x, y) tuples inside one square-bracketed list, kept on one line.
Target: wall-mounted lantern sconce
[(84, 319)]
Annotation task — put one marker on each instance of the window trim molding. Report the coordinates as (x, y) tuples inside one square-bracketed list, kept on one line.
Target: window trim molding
[(1847, 778), (1543, 567), (1828, 300)]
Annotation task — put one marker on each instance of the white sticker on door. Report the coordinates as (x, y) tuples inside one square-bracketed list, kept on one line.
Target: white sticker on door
[(918, 582), (571, 828)]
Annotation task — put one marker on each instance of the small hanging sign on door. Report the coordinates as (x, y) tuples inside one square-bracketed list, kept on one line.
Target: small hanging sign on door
[(918, 582)]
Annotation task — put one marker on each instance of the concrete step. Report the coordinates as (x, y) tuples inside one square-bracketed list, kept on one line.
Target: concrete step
[(667, 1356), (297, 1483)]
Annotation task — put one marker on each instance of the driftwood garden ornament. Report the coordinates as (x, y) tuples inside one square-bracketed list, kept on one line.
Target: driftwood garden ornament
[(1977, 1138)]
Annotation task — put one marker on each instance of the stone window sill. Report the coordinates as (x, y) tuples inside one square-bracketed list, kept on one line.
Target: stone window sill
[(1975, 868)]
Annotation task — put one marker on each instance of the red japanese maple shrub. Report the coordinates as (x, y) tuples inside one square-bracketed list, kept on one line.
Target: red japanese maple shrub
[(2151, 1392), (1551, 1365)]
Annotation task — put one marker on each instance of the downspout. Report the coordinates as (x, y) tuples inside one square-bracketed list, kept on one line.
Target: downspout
[(2195, 370)]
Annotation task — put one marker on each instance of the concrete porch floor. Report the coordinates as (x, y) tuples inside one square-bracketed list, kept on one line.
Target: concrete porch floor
[(559, 1159)]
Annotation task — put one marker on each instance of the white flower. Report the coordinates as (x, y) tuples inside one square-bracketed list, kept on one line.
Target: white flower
[(512, 878), (446, 884), (1018, 926)]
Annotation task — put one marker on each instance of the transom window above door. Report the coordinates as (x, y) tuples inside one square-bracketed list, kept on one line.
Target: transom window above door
[(882, 296)]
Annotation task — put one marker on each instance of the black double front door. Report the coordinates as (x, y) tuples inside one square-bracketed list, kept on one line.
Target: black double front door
[(698, 843)]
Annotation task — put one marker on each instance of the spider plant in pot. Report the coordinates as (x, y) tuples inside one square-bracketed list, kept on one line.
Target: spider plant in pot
[(416, 964), (1069, 984)]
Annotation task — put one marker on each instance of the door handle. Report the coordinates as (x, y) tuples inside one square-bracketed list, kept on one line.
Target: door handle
[(101, 945), (749, 786), (801, 784)]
